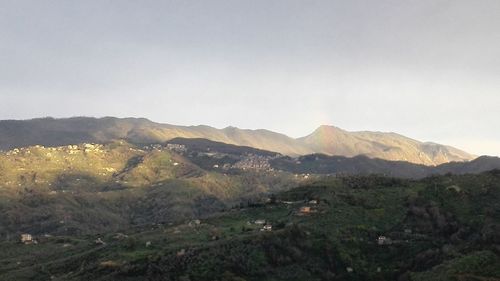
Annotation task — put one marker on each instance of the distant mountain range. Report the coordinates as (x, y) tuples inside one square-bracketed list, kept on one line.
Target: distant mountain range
[(328, 140)]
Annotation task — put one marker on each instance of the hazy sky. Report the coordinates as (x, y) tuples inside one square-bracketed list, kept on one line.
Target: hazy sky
[(428, 69)]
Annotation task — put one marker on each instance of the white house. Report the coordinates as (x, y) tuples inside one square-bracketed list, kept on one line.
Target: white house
[(26, 238), (267, 227)]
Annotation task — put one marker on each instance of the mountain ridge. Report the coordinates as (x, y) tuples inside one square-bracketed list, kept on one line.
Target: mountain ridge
[(327, 139)]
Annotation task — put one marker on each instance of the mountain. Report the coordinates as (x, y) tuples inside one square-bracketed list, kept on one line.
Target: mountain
[(55, 132), (327, 140), (389, 146)]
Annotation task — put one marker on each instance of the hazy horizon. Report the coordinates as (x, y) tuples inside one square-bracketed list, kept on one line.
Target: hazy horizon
[(424, 69)]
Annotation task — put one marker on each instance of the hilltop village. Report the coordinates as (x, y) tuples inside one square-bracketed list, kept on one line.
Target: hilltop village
[(246, 161)]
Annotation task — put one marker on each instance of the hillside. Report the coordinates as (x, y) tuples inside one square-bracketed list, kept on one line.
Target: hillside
[(388, 146), (350, 228), (87, 188), (362, 165), (326, 139)]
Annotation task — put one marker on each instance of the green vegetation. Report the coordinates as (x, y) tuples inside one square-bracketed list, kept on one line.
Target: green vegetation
[(199, 210), (438, 228), (90, 188)]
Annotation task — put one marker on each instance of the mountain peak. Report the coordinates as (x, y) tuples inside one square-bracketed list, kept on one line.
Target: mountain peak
[(328, 128), (332, 140)]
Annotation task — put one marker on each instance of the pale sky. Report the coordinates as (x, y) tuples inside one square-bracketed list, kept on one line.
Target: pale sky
[(428, 69)]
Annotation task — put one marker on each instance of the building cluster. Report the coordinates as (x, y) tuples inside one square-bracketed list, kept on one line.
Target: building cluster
[(248, 161), (69, 149), (264, 225), (302, 176), (178, 148), (86, 147), (253, 162), (383, 240)]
